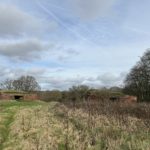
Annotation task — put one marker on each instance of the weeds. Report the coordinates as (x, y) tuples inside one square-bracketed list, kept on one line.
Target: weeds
[(83, 126)]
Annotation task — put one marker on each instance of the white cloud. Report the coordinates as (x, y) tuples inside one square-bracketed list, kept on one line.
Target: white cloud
[(103, 80), (13, 73), (110, 79), (63, 53), (66, 56), (15, 22), (23, 50), (92, 9)]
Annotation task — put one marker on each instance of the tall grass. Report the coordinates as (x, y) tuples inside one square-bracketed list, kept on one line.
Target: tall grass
[(81, 126)]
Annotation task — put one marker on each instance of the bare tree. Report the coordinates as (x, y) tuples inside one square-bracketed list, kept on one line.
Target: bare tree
[(26, 83), (7, 84), (138, 80)]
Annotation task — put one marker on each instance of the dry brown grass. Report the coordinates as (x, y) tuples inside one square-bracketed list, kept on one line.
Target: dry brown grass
[(58, 127)]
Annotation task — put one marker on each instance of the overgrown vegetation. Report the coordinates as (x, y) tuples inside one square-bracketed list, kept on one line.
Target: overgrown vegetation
[(84, 126), (79, 94)]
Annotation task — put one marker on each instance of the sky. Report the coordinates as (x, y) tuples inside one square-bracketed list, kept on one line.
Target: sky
[(72, 42)]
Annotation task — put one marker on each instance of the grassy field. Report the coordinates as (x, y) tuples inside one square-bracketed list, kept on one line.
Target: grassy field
[(54, 126), (8, 112)]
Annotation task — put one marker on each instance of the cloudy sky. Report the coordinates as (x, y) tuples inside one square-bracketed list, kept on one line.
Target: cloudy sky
[(71, 42)]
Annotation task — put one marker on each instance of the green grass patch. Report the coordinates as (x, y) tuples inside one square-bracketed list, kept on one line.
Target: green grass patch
[(13, 92), (8, 109), (6, 104), (4, 131)]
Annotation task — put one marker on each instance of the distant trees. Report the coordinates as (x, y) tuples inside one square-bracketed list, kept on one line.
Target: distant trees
[(137, 81), (23, 83), (78, 92), (26, 83), (54, 95)]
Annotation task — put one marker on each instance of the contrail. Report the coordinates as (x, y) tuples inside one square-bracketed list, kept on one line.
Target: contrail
[(58, 7), (60, 22)]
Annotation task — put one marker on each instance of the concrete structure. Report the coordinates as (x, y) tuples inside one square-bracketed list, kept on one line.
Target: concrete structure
[(128, 99), (6, 95), (124, 99)]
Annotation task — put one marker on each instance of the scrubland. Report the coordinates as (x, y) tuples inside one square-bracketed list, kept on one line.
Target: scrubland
[(77, 126)]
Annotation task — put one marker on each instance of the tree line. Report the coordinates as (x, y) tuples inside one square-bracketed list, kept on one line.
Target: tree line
[(80, 93)]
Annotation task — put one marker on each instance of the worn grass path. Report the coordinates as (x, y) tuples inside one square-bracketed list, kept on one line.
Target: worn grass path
[(7, 113)]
